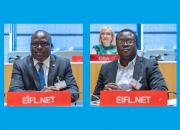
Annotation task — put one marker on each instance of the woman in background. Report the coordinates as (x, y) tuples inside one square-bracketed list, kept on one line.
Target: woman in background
[(106, 42)]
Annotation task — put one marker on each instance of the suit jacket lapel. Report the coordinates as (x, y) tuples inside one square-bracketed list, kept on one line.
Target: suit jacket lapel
[(137, 68), (33, 72), (52, 70), (114, 71)]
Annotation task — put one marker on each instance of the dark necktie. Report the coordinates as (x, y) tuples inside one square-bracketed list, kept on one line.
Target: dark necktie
[(41, 76)]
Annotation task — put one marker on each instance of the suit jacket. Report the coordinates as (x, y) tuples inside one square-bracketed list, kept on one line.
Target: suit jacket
[(152, 78), (25, 76)]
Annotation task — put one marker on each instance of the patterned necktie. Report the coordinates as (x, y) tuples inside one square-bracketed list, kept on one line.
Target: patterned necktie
[(41, 76)]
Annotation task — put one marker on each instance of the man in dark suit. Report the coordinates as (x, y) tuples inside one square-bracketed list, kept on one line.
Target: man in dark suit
[(42, 71), (130, 72)]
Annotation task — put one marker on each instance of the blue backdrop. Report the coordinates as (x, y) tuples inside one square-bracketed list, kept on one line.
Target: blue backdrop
[(86, 13)]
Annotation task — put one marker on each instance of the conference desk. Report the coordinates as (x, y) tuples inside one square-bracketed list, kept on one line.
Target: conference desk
[(77, 69), (168, 70)]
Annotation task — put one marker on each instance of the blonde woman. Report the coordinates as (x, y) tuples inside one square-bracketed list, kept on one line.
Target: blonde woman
[(106, 42)]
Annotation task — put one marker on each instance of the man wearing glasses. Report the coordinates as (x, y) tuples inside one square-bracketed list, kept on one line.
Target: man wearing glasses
[(42, 71), (129, 72)]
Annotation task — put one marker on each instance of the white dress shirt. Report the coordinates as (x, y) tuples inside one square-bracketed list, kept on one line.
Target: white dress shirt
[(125, 75), (46, 64)]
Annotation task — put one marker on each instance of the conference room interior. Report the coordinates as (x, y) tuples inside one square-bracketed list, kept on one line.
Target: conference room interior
[(67, 42), (156, 41)]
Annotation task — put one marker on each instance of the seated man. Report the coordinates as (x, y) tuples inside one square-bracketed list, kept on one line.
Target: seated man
[(42, 71), (130, 72)]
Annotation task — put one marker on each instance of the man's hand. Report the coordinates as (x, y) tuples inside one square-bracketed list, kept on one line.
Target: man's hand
[(111, 86), (54, 88), (50, 89)]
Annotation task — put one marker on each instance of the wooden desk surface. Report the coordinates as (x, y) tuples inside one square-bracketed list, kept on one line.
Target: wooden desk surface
[(76, 68), (168, 69)]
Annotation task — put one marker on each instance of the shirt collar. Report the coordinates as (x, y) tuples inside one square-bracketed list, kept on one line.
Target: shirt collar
[(45, 62), (129, 64)]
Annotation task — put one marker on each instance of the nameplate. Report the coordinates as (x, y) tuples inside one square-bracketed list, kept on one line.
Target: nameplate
[(133, 98), (104, 57), (39, 98)]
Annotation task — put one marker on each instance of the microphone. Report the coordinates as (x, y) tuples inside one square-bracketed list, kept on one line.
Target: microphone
[(96, 102), (75, 103)]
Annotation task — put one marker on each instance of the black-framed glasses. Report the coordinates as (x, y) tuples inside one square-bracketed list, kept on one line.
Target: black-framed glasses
[(37, 44), (127, 41)]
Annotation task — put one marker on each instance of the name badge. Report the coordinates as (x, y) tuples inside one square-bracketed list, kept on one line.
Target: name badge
[(135, 84), (60, 84)]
